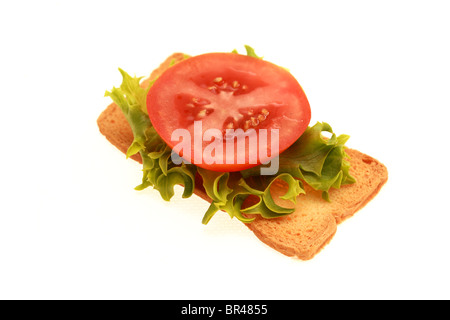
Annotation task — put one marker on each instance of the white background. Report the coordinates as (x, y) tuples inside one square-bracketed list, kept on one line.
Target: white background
[(73, 227)]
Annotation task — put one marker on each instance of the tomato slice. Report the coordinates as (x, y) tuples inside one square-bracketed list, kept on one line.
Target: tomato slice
[(221, 93)]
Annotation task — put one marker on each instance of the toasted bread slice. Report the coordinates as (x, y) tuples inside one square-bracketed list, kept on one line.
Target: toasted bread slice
[(306, 231)]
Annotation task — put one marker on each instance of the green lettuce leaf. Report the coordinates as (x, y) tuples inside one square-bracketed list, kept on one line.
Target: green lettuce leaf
[(313, 159), (250, 52), (228, 191), (131, 98), (318, 161), (158, 169)]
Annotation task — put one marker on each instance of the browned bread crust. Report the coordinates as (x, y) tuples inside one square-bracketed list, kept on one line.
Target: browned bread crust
[(306, 231)]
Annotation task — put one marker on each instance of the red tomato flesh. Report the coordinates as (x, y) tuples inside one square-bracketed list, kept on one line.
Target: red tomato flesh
[(228, 91)]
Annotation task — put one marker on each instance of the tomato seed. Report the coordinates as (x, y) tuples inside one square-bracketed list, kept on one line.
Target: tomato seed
[(230, 125), (202, 113)]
